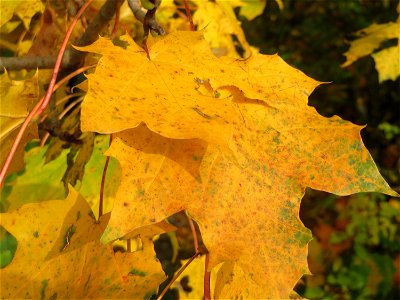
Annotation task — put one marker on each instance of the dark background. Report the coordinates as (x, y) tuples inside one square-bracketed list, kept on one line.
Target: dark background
[(356, 246)]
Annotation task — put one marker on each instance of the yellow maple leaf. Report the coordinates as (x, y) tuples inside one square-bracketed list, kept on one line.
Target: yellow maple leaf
[(59, 255)]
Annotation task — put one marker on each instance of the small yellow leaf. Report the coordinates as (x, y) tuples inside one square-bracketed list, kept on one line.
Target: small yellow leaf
[(253, 8), (370, 38), (9, 26), (7, 11), (387, 63), (25, 10)]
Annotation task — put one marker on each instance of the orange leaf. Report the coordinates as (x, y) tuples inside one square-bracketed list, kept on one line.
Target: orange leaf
[(246, 196)]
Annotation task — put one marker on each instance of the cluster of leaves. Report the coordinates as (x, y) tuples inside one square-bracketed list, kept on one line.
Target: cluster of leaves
[(231, 141)]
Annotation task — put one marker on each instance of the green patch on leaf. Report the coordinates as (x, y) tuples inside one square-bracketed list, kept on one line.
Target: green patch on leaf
[(137, 272), (43, 289)]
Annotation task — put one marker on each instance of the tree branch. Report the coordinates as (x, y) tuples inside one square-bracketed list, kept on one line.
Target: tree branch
[(73, 58), (148, 19), (137, 10), (32, 62), (91, 33)]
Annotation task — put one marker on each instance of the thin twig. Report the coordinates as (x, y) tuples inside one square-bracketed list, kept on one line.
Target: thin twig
[(41, 105), (177, 276), (147, 18), (71, 75), (189, 15), (103, 182), (91, 34), (136, 9), (61, 101), (128, 243), (57, 66), (69, 107), (60, 116), (72, 57), (116, 23), (194, 233), (207, 277)]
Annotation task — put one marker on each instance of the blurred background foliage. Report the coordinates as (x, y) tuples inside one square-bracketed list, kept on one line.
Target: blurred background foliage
[(356, 246)]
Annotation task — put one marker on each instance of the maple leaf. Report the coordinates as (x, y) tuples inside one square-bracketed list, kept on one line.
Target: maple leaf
[(17, 97), (59, 255), (25, 10), (246, 204)]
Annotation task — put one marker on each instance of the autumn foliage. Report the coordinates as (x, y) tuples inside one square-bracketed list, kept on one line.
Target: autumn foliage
[(190, 125)]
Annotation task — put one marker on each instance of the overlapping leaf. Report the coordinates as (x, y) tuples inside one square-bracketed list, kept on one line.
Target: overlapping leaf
[(18, 190), (190, 283), (59, 255), (25, 10), (221, 28), (16, 100), (387, 63), (245, 200), (258, 203)]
